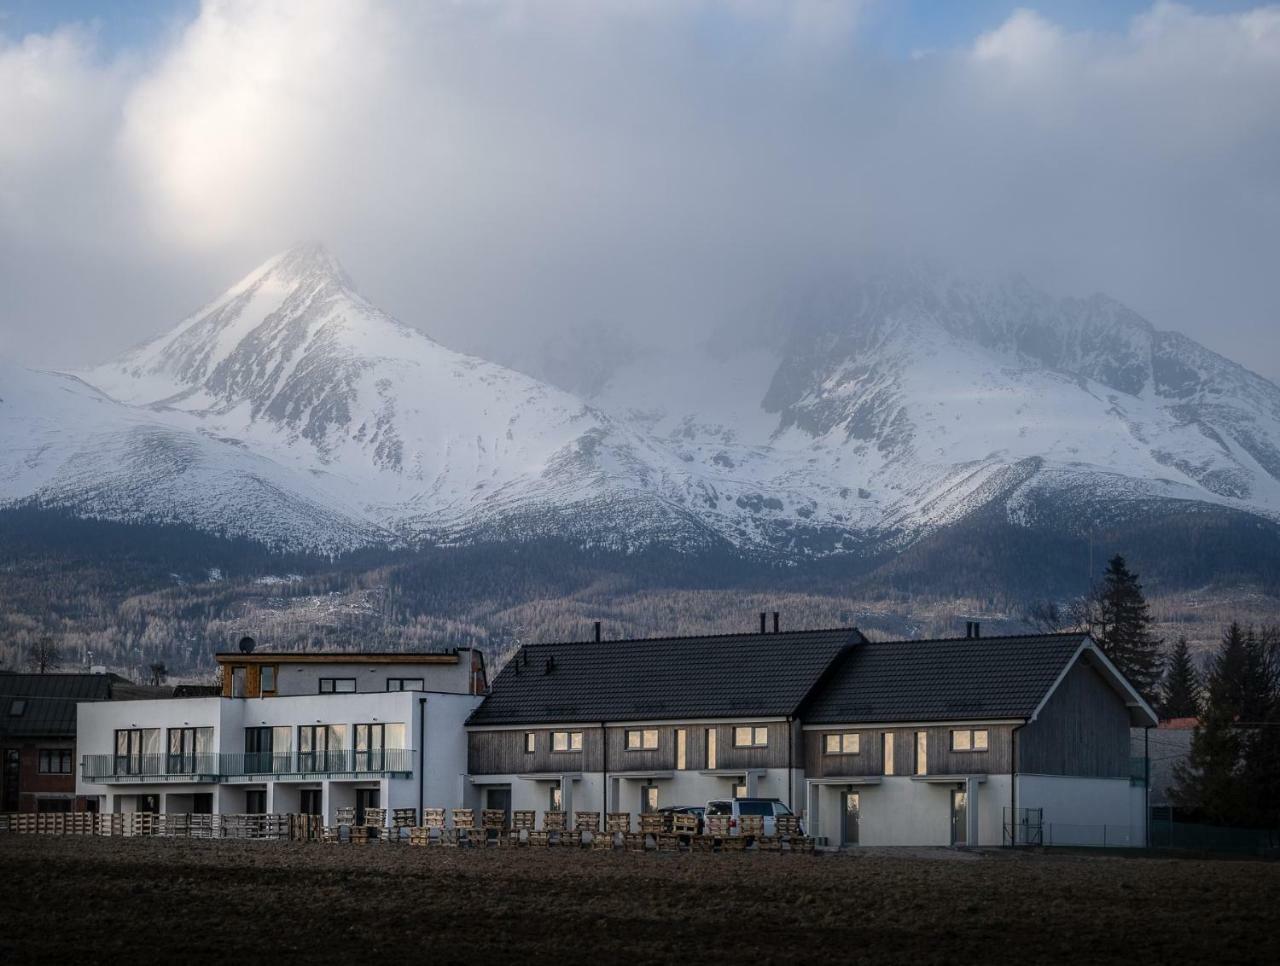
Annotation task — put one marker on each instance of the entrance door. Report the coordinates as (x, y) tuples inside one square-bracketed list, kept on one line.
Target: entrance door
[(959, 817), (648, 799), (311, 801), (499, 798), (255, 801), (9, 780), (852, 814), (365, 798)]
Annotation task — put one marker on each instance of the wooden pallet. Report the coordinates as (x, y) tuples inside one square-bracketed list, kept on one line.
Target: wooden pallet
[(494, 818), (635, 841), (617, 822), (375, 818), (604, 841), (345, 815), (717, 826), (586, 821), (653, 823), (751, 826), (359, 835), (684, 823), (404, 818)]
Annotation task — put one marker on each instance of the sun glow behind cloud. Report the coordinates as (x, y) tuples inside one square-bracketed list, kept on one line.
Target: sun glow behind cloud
[(493, 167)]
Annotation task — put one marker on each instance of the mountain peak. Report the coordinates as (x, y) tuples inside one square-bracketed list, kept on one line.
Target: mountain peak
[(304, 261)]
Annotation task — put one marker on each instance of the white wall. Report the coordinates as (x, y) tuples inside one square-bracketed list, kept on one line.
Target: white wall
[(303, 678), (443, 754), (900, 811), (1079, 808)]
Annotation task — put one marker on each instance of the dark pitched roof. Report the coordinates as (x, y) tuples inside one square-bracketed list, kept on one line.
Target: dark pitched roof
[(719, 676), (48, 702), (936, 680)]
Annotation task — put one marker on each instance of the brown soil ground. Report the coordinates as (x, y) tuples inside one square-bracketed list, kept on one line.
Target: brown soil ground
[(69, 900)]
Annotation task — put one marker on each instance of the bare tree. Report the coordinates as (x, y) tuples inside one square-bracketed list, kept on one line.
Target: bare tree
[(1049, 618), (158, 673), (45, 656)]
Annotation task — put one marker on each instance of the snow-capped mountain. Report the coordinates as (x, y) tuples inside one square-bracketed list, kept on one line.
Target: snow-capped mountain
[(294, 411)]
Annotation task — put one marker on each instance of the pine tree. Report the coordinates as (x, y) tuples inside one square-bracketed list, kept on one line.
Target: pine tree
[(1120, 622), (1180, 692), (1212, 778)]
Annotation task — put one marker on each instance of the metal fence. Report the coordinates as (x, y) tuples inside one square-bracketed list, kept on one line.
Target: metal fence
[(137, 768), (1213, 838)]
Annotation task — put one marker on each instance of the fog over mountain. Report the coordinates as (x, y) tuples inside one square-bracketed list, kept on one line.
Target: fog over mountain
[(506, 173)]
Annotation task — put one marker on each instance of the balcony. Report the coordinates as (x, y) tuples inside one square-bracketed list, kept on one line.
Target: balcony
[(245, 766)]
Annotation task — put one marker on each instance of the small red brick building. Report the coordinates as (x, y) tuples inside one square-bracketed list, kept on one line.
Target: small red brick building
[(38, 737)]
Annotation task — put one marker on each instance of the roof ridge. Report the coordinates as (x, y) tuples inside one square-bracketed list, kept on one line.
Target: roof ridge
[(985, 637), (692, 637)]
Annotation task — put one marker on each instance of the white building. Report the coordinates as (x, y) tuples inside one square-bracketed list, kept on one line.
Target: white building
[(301, 733)]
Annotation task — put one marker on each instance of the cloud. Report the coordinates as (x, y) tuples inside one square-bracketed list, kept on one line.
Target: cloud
[(495, 170)]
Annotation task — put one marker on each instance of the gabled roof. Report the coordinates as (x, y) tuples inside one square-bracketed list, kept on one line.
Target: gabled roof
[(48, 702), (938, 680), (718, 676)]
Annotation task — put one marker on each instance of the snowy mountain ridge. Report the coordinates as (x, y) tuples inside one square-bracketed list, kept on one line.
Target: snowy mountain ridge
[(292, 411)]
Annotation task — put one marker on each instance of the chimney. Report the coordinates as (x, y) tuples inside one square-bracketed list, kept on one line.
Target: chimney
[(597, 632), (977, 629), (763, 625), (775, 622), (968, 630)]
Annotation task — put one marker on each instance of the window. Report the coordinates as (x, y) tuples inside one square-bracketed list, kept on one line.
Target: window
[(404, 684), (556, 802), (337, 685), (138, 751), (566, 741), (888, 752), (649, 798), (642, 739), (255, 801), (751, 736), (322, 747), (754, 806), (530, 742), (268, 678), (843, 744), (371, 743), (922, 752), (17, 706), (54, 761), (739, 791), (682, 744), (267, 750), (190, 751), (720, 807), (237, 682), (53, 804), (966, 739), (711, 749)]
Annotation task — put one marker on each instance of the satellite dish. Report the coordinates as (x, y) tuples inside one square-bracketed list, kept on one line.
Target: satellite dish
[(246, 645)]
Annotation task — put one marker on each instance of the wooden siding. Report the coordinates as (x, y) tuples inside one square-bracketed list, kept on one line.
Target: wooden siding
[(502, 752), (1082, 731), (996, 760)]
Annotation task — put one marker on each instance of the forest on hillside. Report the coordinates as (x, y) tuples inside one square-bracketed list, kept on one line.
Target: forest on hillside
[(131, 597)]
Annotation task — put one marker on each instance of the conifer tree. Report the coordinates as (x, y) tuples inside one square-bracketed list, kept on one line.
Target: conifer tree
[(1120, 621), (1180, 692), (1212, 778)]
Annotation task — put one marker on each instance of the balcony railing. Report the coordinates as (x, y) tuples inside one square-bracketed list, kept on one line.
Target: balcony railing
[(211, 767)]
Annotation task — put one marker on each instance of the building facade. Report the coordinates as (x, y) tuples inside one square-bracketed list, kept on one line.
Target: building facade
[(368, 730), (634, 726), (966, 741)]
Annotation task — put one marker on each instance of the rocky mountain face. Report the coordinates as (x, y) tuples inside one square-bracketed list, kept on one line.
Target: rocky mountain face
[(294, 412)]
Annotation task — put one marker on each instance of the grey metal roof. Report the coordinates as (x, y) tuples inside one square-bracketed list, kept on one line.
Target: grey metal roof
[(48, 702), (718, 676), (937, 680)]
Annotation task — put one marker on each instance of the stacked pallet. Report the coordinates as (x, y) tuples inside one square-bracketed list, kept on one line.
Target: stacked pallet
[(177, 825), (139, 823), (359, 834), (81, 823), (401, 820), (204, 826), (111, 824), (464, 827), (523, 822)]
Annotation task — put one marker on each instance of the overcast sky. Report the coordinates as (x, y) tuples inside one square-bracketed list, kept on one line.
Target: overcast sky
[(494, 169)]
